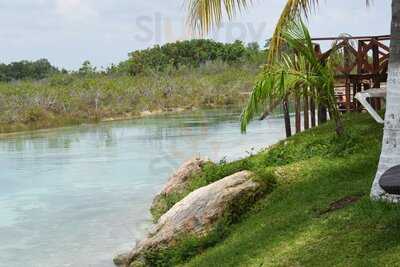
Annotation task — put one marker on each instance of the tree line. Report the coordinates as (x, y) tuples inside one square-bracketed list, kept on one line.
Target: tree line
[(171, 56), (27, 70), (193, 53)]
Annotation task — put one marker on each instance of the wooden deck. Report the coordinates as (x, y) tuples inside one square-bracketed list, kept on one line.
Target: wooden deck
[(365, 66)]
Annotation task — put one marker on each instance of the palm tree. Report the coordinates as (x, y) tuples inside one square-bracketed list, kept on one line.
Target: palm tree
[(204, 14), (294, 74)]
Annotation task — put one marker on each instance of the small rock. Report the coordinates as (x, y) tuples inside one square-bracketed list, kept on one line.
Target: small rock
[(121, 260)]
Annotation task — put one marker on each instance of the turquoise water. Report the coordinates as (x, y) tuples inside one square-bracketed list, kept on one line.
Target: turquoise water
[(77, 196)]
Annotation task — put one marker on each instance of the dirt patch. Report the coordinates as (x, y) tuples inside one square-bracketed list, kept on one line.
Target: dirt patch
[(341, 203)]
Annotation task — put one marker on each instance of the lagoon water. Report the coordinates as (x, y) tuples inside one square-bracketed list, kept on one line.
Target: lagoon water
[(76, 196)]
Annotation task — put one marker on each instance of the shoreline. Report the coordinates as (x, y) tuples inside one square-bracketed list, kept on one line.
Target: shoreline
[(128, 116)]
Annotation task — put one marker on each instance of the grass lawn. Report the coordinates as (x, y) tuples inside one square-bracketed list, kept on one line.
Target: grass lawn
[(297, 224)]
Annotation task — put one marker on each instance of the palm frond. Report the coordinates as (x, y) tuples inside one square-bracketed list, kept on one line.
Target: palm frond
[(295, 70), (204, 14), (292, 11), (275, 85)]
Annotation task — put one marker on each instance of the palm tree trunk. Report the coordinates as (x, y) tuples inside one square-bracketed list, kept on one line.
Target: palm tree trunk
[(306, 110), (312, 108), (286, 115), (390, 155), (322, 116), (298, 112)]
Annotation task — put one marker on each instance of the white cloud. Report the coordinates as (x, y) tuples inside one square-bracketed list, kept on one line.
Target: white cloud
[(67, 6), (75, 9)]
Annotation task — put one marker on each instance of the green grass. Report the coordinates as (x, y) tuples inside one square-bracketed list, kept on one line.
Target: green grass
[(293, 224), (289, 226), (286, 228)]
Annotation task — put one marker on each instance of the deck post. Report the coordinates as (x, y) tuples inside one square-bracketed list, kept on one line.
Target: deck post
[(347, 86), (376, 82)]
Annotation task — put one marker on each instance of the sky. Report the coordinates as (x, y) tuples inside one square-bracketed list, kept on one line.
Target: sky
[(68, 32)]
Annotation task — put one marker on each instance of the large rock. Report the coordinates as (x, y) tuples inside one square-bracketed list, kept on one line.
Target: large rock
[(176, 183), (196, 214)]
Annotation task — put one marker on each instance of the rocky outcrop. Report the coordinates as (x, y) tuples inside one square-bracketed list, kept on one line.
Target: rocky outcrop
[(196, 214), (176, 183)]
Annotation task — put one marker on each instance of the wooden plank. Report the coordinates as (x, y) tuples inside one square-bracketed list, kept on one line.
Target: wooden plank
[(375, 66), (360, 56), (383, 46), (347, 65), (378, 37)]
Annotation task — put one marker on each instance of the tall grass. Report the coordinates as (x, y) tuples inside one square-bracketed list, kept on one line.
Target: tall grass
[(70, 99)]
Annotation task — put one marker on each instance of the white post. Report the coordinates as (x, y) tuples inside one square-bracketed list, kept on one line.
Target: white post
[(390, 155)]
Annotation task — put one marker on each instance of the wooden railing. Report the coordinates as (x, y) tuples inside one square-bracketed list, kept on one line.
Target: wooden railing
[(365, 66)]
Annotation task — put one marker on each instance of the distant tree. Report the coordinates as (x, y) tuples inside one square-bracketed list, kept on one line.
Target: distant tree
[(23, 70), (254, 46), (87, 68), (4, 73), (64, 71), (42, 69)]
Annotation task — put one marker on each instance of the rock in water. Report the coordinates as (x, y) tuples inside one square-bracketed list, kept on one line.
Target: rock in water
[(196, 214), (176, 183)]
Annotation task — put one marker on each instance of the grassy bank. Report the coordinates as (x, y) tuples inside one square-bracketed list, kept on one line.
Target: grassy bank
[(319, 213), (72, 99)]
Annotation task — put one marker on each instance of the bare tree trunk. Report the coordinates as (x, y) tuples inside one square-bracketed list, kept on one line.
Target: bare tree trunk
[(286, 115), (390, 155)]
